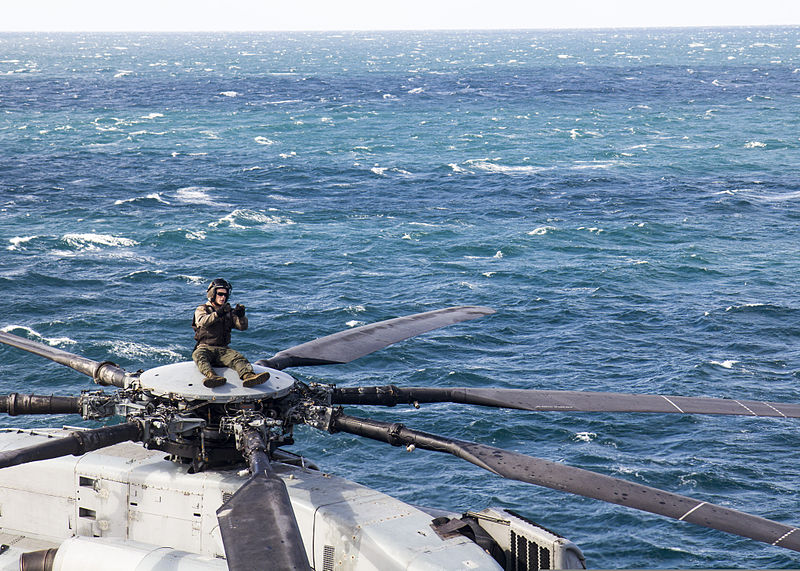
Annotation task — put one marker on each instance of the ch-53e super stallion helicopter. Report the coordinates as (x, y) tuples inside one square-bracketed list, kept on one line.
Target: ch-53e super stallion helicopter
[(227, 495)]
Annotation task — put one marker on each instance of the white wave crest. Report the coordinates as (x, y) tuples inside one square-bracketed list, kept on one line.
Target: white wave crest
[(195, 235), (745, 305), (585, 436), (137, 133), (52, 341), (627, 471), (229, 93), (497, 256), (153, 196), (18, 241), (541, 230), (507, 169), (749, 193), (264, 141), (754, 145), (138, 351), (381, 171), (779, 197), (145, 273), (242, 218), (90, 241), (583, 165), (726, 364), (196, 195)]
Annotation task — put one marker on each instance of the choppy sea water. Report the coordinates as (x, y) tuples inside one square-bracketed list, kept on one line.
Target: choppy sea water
[(628, 202)]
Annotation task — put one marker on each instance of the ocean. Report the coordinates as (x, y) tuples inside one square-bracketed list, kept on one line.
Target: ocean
[(627, 201)]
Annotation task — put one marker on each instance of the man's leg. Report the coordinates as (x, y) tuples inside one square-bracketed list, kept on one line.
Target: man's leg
[(204, 357), (236, 361)]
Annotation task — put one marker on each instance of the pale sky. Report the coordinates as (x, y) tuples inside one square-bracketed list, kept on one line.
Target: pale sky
[(271, 15)]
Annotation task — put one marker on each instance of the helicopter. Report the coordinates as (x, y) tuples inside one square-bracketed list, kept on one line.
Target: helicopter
[(270, 505)]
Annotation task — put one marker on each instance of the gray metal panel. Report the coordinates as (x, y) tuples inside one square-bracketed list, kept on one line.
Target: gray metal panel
[(185, 381)]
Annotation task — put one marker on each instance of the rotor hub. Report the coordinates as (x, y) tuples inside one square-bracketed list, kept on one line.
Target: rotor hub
[(185, 382)]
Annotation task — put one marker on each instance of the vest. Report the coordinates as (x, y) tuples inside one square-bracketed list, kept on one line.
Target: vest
[(218, 334)]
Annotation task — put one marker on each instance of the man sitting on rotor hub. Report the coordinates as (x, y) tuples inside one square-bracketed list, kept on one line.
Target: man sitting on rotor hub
[(212, 325)]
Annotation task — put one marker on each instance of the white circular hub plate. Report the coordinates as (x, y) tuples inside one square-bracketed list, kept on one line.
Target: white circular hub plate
[(183, 380)]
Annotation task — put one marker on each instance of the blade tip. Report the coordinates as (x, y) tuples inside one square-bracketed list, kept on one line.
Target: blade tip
[(479, 309)]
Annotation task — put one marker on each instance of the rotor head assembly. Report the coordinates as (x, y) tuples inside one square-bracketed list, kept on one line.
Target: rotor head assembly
[(167, 408)]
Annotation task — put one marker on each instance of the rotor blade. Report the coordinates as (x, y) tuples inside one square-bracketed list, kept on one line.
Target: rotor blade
[(532, 470), (564, 401), (76, 443), (348, 345), (257, 523), (105, 373), (16, 404)]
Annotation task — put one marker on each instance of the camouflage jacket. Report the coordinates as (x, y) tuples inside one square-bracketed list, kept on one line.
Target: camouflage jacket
[(211, 328)]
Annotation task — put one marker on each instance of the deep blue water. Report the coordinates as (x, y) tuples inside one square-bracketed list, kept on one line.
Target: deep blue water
[(628, 202)]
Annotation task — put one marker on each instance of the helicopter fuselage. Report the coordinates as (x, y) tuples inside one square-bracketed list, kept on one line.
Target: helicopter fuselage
[(135, 506)]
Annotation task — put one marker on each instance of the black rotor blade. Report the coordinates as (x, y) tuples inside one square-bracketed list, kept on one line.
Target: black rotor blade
[(16, 404), (105, 373), (257, 523), (564, 478), (76, 443), (564, 401), (348, 345)]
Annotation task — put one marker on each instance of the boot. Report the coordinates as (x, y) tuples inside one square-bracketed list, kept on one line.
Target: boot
[(252, 379), (213, 380)]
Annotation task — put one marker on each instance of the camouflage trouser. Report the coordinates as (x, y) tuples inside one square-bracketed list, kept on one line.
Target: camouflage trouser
[(207, 356)]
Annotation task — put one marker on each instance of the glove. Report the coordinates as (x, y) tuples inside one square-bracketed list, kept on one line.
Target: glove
[(224, 309), (238, 311)]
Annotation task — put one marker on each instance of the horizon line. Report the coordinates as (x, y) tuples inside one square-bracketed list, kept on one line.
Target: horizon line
[(384, 30)]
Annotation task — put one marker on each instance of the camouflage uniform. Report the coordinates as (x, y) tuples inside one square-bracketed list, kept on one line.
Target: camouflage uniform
[(213, 334)]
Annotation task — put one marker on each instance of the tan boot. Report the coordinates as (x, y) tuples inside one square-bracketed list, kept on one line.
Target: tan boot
[(252, 379), (214, 380)]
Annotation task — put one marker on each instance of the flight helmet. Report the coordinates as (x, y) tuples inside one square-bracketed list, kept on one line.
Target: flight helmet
[(217, 284)]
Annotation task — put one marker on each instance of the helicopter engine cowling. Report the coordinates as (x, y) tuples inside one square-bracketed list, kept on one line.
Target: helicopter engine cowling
[(101, 554)]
